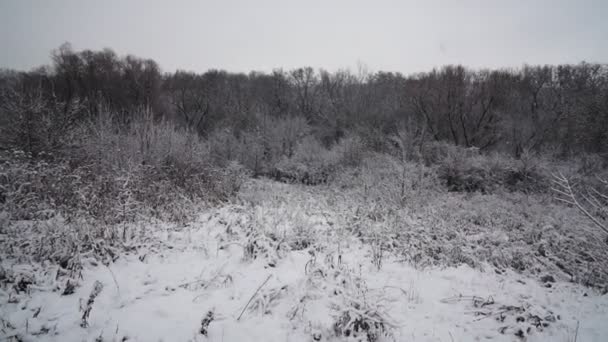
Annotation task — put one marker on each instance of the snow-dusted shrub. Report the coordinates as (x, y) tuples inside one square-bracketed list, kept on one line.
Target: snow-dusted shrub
[(224, 146), (356, 321), (435, 152), (21, 181), (374, 138), (259, 244), (463, 170), (590, 165), (248, 149), (390, 181), (311, 163), (251, 152), (529, 233), (530, 173), (282, 135), (302, 237), (143, 141), (261, 147), (358, 313), (265, 300), (33, 123), (227, 181), (350, 150), (284, 149), (463, 174), (37, 189), (117, 173), (70, 246)]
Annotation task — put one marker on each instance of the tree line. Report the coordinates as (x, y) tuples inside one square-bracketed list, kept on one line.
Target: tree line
[(562, 109)]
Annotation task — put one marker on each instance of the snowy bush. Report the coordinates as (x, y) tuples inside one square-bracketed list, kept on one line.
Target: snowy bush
[(117, 174), (34, 123), (310, 164), (350, 151), (464, 171), (389, 181), (260, 147)]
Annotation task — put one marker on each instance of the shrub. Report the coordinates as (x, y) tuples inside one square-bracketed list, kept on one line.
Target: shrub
[(459, 172), (33, 123), (350, 150), (463, 170), (436, 152), (389, 181), (261, 147), (224, 147), (116, 173), (311, 164)]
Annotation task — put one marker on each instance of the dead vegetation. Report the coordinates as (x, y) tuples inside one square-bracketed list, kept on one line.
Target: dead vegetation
[(270, 222), (594, 203), (518, 320), (436, 205)]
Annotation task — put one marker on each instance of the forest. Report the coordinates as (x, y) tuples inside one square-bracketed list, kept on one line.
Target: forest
[(558, 110)]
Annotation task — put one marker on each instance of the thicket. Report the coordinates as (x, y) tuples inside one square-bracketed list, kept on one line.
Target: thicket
[(113, 137)]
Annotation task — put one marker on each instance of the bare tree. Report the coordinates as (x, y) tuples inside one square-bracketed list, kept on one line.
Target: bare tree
[(305, 83), (188, 95), (34, 123)]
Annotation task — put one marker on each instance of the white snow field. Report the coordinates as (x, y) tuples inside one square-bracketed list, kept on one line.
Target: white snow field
[(270, 269)]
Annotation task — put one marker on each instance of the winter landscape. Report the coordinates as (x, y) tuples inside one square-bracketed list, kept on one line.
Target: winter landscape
[(455, 202)]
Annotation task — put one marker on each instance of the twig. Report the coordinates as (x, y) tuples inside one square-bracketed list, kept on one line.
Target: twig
[(455, 299), (206, 285), (97, 288), (250, 299), (396, 288), (568, 192), (576, 331), (115, 281)]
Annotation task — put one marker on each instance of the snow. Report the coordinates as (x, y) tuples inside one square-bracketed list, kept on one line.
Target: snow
[(164, 296)]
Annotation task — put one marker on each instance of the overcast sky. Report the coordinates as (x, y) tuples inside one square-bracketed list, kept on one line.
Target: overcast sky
[(241, 35)]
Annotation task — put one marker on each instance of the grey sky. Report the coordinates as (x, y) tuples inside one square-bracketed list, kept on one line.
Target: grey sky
[(240, 35)]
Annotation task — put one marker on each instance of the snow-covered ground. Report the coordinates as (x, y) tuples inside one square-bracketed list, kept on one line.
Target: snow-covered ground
[(230, 277)]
